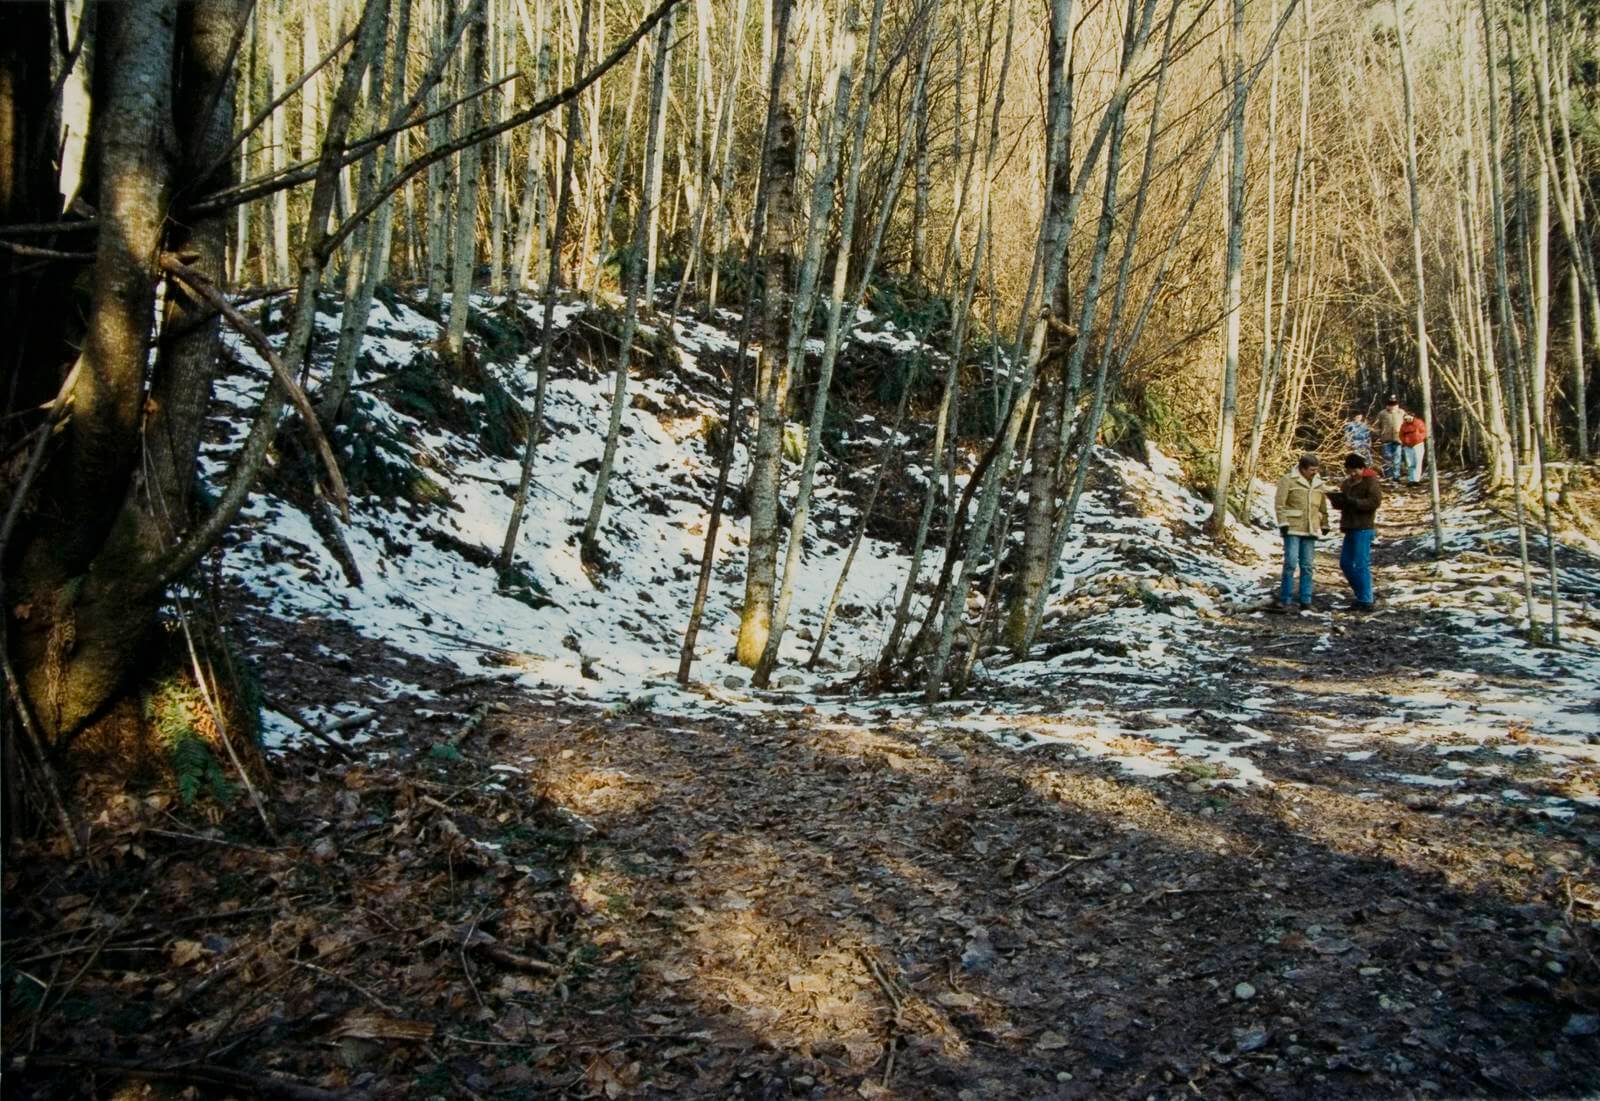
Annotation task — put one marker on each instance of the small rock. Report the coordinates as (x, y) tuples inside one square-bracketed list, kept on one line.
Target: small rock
[(732, 682), (1555, 967), (1250, 1039), (1582, 1024), (979, 955), (791, 680), (1063, 1076), (1126, 888), (1197, 787), (1244, 992), (324, 851), (1368, 972), (1050, 1041)]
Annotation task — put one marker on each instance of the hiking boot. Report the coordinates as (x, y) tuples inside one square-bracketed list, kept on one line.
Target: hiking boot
[(1356, 607)]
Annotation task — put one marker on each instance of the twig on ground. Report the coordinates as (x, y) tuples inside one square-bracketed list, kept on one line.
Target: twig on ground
[(111, 931), (44, 1000), (473, 721), (206, 840), (461, 951), (473, 682), (226, 1078), (505, 957), (1073, 861), (351, 983), (323, 736)]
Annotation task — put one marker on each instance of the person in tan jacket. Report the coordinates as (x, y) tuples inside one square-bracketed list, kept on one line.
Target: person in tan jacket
[(1301, 507), (1388, 433)]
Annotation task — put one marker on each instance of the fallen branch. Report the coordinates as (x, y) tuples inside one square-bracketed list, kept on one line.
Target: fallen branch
[(354, 719), (505, 957), (472, 682), (206, 840), (1072, 862), (198, 282), (200, 1074), (473, 721), (320, 735)]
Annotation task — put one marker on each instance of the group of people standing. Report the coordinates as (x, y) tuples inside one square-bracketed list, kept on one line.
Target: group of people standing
[(1301, 505), (1401, 438), (1303, 499)]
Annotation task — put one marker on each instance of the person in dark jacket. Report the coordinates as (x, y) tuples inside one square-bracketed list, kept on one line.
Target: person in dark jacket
[(1357, 500)]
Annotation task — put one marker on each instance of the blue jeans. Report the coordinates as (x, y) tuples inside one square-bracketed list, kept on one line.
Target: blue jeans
[(1391, 459), (1412, 457), (1355, 559), (1298, 550)]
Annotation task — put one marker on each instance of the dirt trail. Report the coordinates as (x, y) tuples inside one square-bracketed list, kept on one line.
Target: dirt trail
[(827, 909), (800, 904)]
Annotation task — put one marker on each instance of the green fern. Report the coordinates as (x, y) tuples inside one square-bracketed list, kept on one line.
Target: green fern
[(170, 710)]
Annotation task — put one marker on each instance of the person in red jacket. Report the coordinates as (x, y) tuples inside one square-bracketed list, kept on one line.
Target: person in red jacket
[(1413, 431)]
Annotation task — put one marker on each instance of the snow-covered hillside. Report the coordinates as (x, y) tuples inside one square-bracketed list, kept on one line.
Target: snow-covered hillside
[(1146, 632), (614, 634)]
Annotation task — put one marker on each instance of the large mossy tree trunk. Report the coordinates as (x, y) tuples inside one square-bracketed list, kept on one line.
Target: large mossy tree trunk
[(110, 523), (77, 624)]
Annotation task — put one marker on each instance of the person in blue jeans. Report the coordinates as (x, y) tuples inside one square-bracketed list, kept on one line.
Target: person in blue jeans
[(1357, 500), (1388, 432), (1301, 507), (1358, 434)]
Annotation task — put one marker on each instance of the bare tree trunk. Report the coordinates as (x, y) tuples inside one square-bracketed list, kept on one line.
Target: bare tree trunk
[(838, 328), (885, 210), (1091, 428), (1424, 373), (1231, 295), (246, 97), (525, 251), (508, 547), (1272, 341), (278, 77), (655, 154), (919, 207), (616, 182), (500, 29), (466, 253), (716, 196), (776, 74), (366, 254), (588, 541), (1040, 549), (782, 156), (1511, 351), (439, 225)]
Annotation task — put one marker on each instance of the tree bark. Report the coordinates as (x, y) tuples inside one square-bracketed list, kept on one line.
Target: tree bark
[(781, 161), (634, 283), (465, 253), (508, 548)]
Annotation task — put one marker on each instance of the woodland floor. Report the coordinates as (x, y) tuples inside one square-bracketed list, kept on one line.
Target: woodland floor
[(567, 902)]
